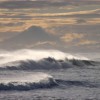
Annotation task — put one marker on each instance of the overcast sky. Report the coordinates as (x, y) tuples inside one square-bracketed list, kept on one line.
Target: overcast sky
[(66, 25)]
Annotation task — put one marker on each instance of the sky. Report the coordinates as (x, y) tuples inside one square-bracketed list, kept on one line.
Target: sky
[(65, 25)]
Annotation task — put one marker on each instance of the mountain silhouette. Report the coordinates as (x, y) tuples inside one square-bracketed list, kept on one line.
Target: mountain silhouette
[(30, 36)]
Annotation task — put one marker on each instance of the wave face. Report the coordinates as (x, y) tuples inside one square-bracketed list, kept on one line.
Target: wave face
[(23, 80), (32, 59), (24, 54), (39, 80), (47, 64)]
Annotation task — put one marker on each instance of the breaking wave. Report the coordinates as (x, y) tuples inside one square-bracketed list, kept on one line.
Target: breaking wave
[(46, 64), (40, 59), (42, 81), (39, 80), (24, 54)]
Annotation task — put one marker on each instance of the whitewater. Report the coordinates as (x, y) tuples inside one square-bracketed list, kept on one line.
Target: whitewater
[(48, 75)]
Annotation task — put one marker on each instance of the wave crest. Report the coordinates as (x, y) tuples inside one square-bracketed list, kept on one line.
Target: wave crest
[(47, 64), (24, 54), (40, 80)]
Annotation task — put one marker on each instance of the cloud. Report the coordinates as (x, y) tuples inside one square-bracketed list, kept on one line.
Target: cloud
[(17, 24), (81, 21), (93, 21), (49, 24), (87, 42), (71, 36), (41, 43), (10, 4), (30, 4), (17, 20), (77, 13), (1, 40)]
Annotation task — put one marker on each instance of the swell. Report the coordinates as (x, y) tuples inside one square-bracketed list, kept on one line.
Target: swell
[(71, 83), (29, 82), (59, 83), (47, 63), (27, 86)]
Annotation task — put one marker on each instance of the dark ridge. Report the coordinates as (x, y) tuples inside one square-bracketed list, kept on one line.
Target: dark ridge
[(49, 64), (82, 62), (70, 83), (28, 86)]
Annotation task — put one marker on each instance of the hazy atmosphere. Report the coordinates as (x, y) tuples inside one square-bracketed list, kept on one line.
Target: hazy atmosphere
[(66, 25), (49, 49)]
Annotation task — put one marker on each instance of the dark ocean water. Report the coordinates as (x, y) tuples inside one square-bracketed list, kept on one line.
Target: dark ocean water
[(31, 75), (62, 84)]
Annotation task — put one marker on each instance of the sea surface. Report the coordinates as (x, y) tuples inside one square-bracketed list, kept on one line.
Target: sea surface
[(66, 84), (48, 75)]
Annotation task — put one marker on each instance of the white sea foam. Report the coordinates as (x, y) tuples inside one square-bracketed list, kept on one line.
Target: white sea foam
[(24, 54), (32, 81)]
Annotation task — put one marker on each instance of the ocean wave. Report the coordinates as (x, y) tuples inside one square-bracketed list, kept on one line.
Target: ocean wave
[(24, 54), (40, 59), (70, 83), (39, 80), (47, 83), (47, 64)]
